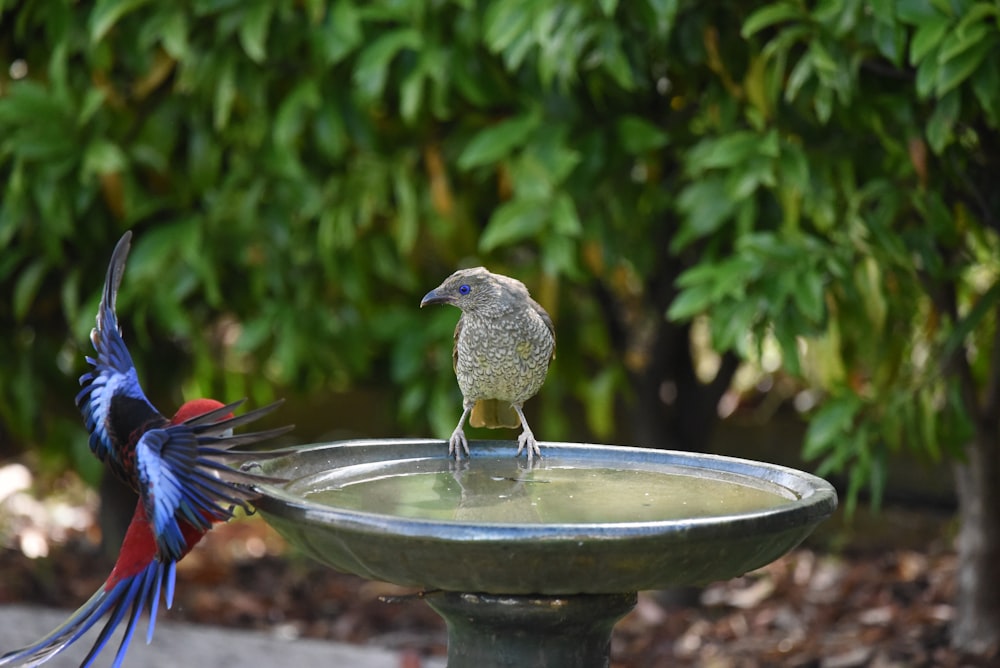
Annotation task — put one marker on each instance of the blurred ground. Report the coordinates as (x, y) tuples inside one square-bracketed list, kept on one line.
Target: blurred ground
[(861, 606)]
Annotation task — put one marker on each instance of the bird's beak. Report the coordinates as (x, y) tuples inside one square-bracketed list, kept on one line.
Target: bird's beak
[(433, 297)]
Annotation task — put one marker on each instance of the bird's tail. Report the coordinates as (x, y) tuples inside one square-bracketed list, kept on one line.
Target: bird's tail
[(127, 597), (494, 414)]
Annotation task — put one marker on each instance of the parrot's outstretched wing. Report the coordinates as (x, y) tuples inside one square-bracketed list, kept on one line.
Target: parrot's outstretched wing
[(185, 476), (113, 404)]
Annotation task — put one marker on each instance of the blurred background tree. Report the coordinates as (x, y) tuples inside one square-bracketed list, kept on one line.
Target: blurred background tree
[(810, 182)]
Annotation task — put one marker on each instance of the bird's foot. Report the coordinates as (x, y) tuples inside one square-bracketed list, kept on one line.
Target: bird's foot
[(527, 441), (458, 439)]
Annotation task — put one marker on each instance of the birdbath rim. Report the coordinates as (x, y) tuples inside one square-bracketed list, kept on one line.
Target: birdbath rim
[(814, 495), (554, 558)]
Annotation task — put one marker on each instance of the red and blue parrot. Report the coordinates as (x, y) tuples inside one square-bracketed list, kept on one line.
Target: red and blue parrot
[(181, 468)]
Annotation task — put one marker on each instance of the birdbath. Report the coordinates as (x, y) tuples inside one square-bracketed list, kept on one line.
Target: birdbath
[(532, 565)]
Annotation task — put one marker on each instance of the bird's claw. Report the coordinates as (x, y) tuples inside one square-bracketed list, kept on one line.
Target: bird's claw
[(527, 441), (458, 438)]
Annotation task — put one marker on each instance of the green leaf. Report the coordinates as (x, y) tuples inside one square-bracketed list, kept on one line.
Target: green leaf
[(958, 42), (832, 421), (823, 104), (942, 120), (890, 38), (29, 102), (254, 28), (340, 34), (787, 339), (514, 221), (407, 216), (926, 39), (822, 60), (884, 12), (174, 34), (809, 296), (290, 117), (504, 23), (608, 7), (103, 157), (918, 12), (565, 219), (330, 133), (927, 73), (411, 93), (952, 73), (372, 69), (639, 135), (729, 150), (801, 73), (869, 282), (551, 149), (986, 85), (985, 305), (492, 144), (975, 15), (690, 302), (106, 14), (530, 177), (614, 61), (705, 207), (730, 326), (770, 15), (27, 287), (225, 94)]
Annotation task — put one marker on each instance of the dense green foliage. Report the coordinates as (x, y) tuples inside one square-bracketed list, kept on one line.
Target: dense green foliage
[(848, 203), (298, 174)]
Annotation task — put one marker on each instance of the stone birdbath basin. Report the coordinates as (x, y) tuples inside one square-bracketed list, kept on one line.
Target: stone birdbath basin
[(533, 565)]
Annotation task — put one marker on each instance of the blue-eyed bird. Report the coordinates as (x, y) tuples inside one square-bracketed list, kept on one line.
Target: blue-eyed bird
[(504, 342)]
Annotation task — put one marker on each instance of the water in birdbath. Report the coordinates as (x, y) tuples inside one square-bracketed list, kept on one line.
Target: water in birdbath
[(506, 490)]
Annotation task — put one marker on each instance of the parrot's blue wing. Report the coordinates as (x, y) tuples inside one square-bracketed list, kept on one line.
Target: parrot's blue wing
[(174, 486), (184, 473), (112, 401), (128, 597)]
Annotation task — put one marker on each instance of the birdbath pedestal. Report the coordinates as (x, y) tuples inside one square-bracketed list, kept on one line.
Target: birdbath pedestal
[(532, 564)]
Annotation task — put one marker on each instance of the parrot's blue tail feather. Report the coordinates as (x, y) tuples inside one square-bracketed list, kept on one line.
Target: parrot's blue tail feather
[(131, 595)]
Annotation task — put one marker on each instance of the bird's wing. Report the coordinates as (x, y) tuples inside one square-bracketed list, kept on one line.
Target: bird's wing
[(112, 401), (454, 349), (185, 476), (134, 586), (547, 319)]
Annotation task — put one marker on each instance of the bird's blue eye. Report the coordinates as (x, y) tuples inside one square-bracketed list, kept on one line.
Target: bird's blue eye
[(464, 289)]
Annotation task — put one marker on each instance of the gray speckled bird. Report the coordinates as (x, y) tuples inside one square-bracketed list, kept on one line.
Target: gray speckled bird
[(504, 342)]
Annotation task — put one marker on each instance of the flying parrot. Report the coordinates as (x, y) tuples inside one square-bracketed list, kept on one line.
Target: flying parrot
[(179, 471), (181, 468)]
